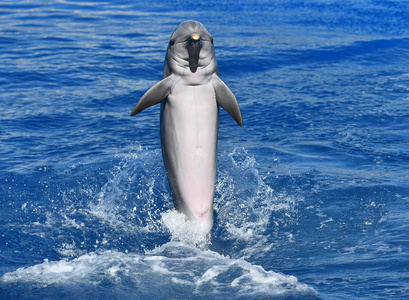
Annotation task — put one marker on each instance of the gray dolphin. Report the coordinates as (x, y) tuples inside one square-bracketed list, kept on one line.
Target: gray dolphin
[(190, 95)]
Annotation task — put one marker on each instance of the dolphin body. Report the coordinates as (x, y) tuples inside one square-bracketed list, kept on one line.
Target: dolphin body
[(190, 95)]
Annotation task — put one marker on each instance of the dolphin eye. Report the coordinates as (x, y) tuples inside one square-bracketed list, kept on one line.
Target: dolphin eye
[(172, 42), (211, 40)]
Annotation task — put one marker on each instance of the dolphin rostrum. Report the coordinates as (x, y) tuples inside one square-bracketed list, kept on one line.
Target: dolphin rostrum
[(190, 95)]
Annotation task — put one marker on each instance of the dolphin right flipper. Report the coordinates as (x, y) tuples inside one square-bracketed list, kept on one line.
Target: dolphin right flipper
[(154, 95), (225, 98)]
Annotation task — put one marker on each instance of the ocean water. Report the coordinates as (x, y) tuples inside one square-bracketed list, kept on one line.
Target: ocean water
[(312, 194)]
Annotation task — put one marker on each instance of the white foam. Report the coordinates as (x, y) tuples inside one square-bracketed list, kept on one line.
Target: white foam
[(174, 266), (185, 231)]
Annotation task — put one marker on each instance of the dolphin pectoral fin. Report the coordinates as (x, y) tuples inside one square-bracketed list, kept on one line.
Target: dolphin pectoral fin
[(154, 95), (226, 99)]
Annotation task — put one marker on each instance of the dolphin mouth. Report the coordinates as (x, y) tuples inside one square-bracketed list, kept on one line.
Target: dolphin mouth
[(193, 49)]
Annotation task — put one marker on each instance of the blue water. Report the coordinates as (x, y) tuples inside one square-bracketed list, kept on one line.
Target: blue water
[(312, 193)]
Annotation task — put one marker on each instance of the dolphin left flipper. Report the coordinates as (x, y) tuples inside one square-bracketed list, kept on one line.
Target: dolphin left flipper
[(226, 99), (154, 95)]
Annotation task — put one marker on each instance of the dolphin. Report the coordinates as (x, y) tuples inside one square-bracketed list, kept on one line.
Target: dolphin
[(190, 94)]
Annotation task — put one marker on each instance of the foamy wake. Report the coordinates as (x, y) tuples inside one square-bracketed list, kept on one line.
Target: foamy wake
[(174, 269)]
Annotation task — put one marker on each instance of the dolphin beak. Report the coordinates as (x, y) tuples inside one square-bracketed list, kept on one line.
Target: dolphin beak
[(193, 49)]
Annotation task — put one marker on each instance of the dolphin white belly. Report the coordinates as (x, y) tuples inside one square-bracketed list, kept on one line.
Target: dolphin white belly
[(189, 128)]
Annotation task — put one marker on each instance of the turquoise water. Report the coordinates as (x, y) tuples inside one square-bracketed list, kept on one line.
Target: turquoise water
[(312, 194)]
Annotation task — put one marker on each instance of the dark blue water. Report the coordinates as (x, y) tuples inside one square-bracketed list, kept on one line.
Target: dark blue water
[(312, 195)]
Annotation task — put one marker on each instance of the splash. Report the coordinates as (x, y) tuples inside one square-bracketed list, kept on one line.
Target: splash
[(135, 201), (135, 195), (131, 213), (247, 207)]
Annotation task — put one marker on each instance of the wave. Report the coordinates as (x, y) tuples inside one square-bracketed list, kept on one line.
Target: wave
[(173, 270)]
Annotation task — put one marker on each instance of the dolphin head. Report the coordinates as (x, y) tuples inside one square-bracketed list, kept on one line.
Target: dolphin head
[(190, 48)]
